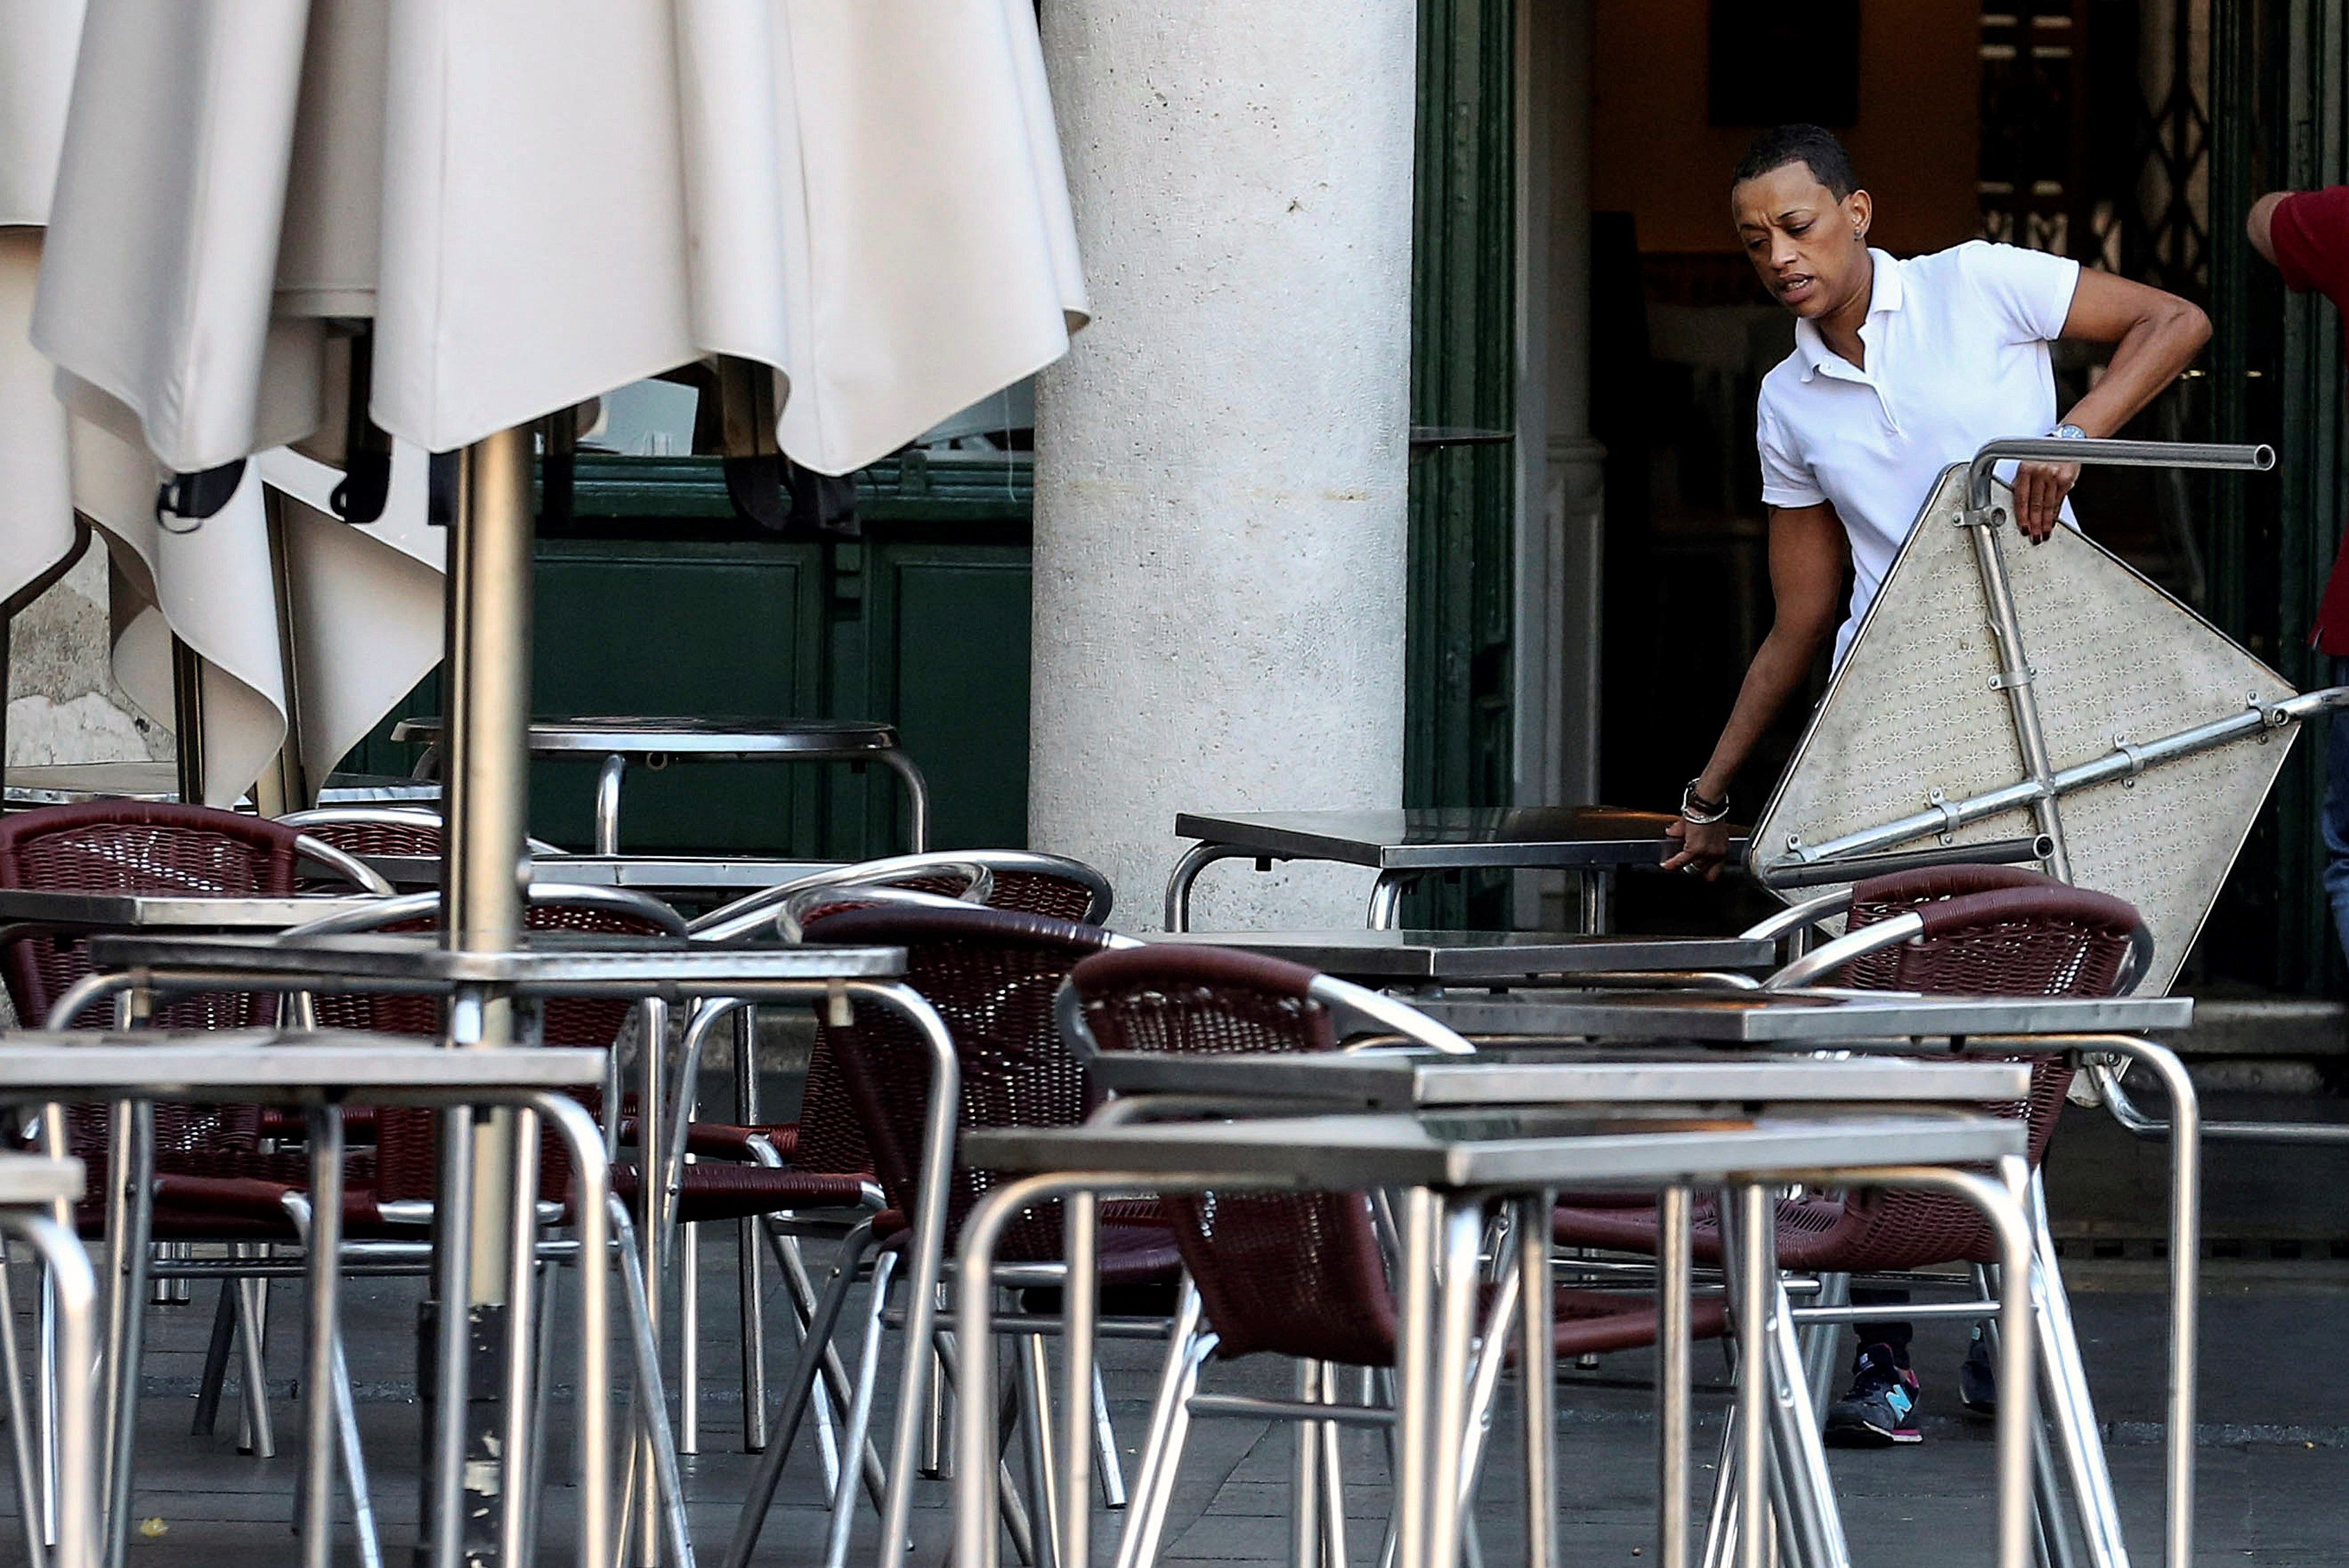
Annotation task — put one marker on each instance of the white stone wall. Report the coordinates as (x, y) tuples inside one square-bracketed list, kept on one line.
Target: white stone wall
[(63, 704), (1220, 520)]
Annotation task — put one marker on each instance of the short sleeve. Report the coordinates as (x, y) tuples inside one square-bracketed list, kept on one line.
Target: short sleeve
[(2309, 231), (1786, 478), (2030, 292)]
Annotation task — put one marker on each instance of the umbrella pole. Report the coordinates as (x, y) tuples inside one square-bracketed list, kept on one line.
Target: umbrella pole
[(187, 719), (486, 782)]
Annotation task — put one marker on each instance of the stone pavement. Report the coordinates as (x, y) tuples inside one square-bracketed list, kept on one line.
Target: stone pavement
[(2274, 1443)]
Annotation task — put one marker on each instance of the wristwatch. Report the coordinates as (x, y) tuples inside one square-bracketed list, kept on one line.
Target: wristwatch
[(2067, 433), (1696, 808)]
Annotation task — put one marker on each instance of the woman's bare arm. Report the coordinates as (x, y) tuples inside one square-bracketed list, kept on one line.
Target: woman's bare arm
[(1807, 553)]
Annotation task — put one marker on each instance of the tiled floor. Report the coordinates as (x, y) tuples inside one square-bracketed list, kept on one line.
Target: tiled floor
[(2273, 1452)]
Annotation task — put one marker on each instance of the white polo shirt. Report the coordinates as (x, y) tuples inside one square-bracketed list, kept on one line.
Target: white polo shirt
[(1957, 355)]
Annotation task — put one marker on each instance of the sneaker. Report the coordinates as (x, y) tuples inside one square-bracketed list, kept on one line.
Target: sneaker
[(1879, 1408), (1978, 1379)]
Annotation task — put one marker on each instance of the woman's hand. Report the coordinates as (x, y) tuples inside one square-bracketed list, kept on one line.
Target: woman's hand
[(1704, 846), (2039, 492)]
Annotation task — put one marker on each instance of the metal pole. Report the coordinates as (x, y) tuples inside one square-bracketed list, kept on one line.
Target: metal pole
[(1755, 1280), (1539, 1360), (188, 720), (484, 873)]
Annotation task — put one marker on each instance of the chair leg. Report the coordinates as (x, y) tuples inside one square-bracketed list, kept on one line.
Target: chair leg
[(1720, 1524), (1811, 1513), (1823, 1344), (1305, 1477), (215, 1380), (751, 1318), (1035, 1388), (354, 1475), (2064, 1387), (651, 1400), (256, 1432), (1170, 1393), (1333, 1479), (1109, 1470), (1145, 1520), (834, 1392), (860, 1411), (761, 1494), (688, 1338)]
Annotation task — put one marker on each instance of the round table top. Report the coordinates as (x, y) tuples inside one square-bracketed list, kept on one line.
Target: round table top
[(638, 735)]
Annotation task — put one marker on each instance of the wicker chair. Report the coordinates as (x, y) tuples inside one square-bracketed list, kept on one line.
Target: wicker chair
[(992, 975), (1301, 1275), (1983, 931)]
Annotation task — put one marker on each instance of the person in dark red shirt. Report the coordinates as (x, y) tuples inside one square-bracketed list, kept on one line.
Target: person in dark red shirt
[(2306, 235)]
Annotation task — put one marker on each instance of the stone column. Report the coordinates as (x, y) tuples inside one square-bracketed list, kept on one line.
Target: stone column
[(1220, 466)]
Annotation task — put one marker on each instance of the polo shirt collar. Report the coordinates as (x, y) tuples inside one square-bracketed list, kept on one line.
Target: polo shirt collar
[(1884, 295)]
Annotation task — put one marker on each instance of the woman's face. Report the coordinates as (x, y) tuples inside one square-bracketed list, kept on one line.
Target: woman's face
[(1810, 249)]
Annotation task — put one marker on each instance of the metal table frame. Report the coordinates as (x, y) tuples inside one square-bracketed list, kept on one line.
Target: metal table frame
[(1387, 957), (48, 1068), (33, 1188), (2095, 1027), (1442, 1225), (1292, 835), (656, 741), (630, 968)]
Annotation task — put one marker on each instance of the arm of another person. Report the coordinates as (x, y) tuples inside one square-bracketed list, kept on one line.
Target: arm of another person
[(2154, 335), (1808, 552)]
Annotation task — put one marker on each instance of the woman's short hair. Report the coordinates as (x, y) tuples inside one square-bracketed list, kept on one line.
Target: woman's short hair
[(1814, 145)]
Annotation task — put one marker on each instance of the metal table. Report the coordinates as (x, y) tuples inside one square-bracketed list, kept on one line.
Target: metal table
[(319, 1071), (1389, 958), (572, 965), (1408, 1079), (33, 1188), (2098, 1026), (1449, 1163), (619, 741), (1593, 841), (1798, 1017), (165, 912), (686, 878), (69, 783)]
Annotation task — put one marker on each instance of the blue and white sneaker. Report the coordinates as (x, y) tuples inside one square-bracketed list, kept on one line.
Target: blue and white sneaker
[(1879, 1408)]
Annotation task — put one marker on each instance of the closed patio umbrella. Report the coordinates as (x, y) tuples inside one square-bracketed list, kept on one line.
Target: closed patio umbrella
[(528, 203)]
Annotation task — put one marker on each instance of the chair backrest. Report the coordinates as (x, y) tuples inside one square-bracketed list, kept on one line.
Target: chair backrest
[(372, 830), (1298, 1273), (137, 847), (1986, 931), (406, 1137), (992, 976)]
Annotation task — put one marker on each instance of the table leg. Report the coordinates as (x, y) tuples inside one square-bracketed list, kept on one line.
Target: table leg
[(1081, 1319), (132, 1284), (518, 1503), (454, 1222), (74, 1289), (1195, 859), (1537, 1307), (928, 1265), (1595, 893), (1756, 1239), (1415, 1375), (1674, 1279), (1461, 1225), (592, 1174), (608, 803), (317, 1522)]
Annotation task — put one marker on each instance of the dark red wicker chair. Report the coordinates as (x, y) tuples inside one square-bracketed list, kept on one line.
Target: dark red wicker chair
[(992, 975), (1984, 931)]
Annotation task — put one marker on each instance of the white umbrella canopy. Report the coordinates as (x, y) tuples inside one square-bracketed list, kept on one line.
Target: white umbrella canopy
[(538, 201), (365, 604)]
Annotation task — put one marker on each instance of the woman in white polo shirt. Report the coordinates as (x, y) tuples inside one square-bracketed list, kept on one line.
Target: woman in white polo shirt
[(1900, 369)]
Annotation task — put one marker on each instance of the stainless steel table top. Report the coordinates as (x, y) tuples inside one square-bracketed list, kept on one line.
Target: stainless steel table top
[(548, 964), (1397, 1080), (265, 1064), (29, 1178), (1493, 1149), (629, 736), (1798, 1017), (683, 876), (165, 912), (1447, 837), (1394, 956), (67, 783)]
